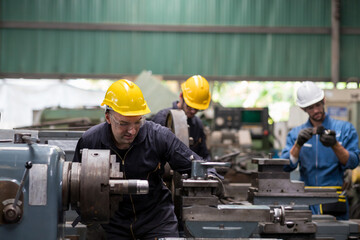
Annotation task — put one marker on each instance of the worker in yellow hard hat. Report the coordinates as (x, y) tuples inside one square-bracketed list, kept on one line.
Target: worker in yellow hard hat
[(142, 148), (195, 96)]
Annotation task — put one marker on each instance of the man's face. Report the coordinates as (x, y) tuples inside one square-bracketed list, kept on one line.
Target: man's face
[(189, 111), (316, 111), (124, 128)]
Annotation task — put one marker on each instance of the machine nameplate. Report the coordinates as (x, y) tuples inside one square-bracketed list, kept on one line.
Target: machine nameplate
[(38, 184)]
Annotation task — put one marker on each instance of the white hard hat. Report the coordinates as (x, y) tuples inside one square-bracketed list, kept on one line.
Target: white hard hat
[(308, 94)]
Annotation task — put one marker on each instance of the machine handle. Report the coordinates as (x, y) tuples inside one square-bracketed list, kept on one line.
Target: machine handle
[(12, 212), (28, 165)]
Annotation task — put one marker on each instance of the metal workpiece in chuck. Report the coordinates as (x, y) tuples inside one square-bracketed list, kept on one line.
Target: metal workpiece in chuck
[(129, 187), (94, 187)]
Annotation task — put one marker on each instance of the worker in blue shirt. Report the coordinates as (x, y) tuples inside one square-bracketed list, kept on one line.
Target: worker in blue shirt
[(323, 148), (195, 96), (142, 148)]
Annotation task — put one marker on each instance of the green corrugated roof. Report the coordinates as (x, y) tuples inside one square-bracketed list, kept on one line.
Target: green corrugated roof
[(192, 12), (250, 55)]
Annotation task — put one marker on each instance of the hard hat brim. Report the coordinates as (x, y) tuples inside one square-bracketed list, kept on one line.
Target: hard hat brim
[(142, 112), (318, 99), (198, 106)]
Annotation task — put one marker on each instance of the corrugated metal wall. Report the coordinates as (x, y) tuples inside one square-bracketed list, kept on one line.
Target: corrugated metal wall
[(191, 12), (114, 46)]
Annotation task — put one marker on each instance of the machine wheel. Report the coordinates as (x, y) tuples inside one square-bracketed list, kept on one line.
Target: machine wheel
[(176, 121)]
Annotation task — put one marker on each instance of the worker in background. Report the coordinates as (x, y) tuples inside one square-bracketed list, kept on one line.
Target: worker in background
[(142, 148), (195, 96), (323, 147)]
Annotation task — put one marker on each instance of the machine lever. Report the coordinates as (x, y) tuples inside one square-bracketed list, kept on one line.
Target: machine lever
[(12, 212), (28, 165), (30, 140)]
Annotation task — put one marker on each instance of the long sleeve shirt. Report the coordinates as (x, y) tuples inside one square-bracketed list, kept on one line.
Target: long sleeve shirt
[(196, 131), (152, 148)]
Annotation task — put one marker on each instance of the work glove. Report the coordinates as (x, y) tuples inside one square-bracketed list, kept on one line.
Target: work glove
[(304, 136), (328, 138)]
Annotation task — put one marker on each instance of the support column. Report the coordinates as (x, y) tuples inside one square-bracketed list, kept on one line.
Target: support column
[(335, 41)]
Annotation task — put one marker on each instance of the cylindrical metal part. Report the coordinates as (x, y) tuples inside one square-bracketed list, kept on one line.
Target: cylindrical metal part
[(94, 181), (87, 186), (66, 185), (278, 215), (129, 186), (12, 213), (75, 185)]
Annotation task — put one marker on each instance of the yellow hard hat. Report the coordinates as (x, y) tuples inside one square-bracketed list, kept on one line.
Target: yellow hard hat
[(126, 98), (196, 92)]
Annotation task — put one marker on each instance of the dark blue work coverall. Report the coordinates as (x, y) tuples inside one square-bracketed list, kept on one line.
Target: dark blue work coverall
[(143, 216)]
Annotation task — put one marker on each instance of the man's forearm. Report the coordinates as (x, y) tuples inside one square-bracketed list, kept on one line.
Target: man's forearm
[(341, 153), (295, 150)]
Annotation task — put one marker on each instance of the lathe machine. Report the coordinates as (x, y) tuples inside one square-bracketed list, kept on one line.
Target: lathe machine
[(37, 186)]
